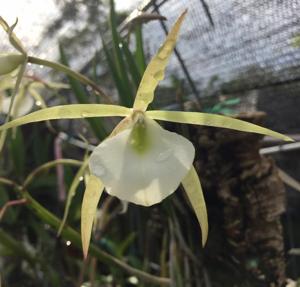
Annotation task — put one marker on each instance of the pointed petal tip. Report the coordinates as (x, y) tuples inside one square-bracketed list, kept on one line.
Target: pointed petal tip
[(85, 255), (182, 16), (59, 232), (289, 139), (204, 240), (184, 11), (192, 186)]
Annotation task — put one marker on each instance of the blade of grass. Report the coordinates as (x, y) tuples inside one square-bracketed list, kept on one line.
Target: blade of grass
[(47, 165), (133, 69), (17, 151), (113, 69), (120, 64), (69, 233), (15, 246), (139, 49), (14, 94)]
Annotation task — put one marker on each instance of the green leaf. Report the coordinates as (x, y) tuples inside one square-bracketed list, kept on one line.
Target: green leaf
[(16, 247), (14, 94), (155, 71), (93, 191), (213, 120), (124, 245), (132, 67), (71, 193), (64, 69), (70, 234), (82, 98), (192, 186), (117, 79), (139, 49), (231, 102), (47, 165), (39, 99), (17, 151), (120, 64), (69, 112)]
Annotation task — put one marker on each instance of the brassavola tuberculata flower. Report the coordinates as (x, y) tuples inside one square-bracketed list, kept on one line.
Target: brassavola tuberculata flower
[(140, 162), (144, 163)]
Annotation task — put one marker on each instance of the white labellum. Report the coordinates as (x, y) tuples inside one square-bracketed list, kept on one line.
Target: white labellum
[(146, 172)]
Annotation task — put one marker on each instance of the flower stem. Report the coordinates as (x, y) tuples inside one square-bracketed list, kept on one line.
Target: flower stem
[(62, 68), (69, 233)]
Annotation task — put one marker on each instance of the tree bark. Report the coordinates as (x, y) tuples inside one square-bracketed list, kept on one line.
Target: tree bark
[(246, 198)]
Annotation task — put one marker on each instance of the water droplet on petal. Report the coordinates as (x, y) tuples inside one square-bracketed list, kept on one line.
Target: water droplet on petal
[(164, 155), (159, 75), (100, 171), (166, 50)]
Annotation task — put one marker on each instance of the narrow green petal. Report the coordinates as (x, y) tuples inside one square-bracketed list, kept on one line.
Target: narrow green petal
[(71, 193), (69, 112), (90, 201), (37, 96), (213, 120), (155, 71), (192, 186)]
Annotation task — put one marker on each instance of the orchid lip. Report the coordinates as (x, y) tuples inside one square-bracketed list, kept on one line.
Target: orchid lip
[(147, 171)]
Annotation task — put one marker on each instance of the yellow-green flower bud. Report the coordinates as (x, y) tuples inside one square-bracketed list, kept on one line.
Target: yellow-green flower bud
[(9, 62)]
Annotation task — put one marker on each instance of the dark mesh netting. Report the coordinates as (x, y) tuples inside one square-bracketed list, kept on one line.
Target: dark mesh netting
[(233, 45)]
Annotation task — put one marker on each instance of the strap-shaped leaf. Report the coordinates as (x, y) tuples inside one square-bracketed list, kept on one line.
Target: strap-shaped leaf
[(93, 191), (192, 186), (69, 112), (155, 71), (214, 120)]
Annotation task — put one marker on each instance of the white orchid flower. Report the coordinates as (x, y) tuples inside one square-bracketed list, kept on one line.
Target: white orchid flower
[(22, 105), (144, 163), (141, 162), (27, 96)]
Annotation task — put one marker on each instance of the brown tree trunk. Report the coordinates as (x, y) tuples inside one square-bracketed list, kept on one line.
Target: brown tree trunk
[(244, 194)]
